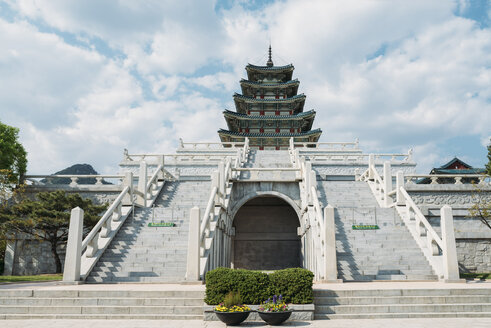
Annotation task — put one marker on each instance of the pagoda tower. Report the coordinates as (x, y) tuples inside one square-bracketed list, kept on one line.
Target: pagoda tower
[(269, 111)]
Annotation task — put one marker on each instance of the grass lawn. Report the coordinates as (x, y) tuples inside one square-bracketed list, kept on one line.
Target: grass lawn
[(475, 275), (40, 277)]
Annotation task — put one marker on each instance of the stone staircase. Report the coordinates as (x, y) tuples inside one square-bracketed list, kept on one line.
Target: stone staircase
[(402, 303), (389, 253), (140, 253), (101, 304), (269, 158)]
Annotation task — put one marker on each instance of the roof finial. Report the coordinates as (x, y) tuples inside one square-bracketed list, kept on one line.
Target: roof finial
[(270, 61)]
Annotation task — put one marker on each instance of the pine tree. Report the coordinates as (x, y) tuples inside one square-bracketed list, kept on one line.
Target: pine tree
[(47, 218)]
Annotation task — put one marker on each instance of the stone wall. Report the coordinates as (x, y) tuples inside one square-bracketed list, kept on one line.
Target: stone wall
[(474, 255), (25, 255), (473, 238)]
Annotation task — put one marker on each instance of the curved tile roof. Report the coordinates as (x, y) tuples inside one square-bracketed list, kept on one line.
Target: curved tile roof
[(258, 100), (270, 117), (269, 135), (261, 84), (270, 68)]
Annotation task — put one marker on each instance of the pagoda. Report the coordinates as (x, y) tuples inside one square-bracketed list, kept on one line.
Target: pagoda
[(269, 111)]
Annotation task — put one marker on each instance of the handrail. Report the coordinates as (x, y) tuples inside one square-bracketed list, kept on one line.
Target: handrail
[(103, 219), (154, 177), (331, 144), (209, 245), (421, 217), (206, 216), (336, 157), (73, 177), (440, 251), (107, 176), (482, 178), (265, 169)]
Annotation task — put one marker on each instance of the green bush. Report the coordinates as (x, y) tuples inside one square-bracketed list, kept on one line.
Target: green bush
[(253, 286), (294, 284)]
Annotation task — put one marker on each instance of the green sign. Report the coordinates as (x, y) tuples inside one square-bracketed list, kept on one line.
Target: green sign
[(365, 227), (162, 224)]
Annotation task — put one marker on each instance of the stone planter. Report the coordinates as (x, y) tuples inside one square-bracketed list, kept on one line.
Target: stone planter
[(300, 312), (232, 318), (274, 318)]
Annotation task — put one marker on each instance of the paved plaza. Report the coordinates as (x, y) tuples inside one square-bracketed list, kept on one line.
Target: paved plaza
[(351, 323), (358, 323)]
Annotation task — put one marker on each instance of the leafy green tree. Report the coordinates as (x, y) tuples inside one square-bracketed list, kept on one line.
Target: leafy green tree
[(482, 204), (47, 218), (488, 166), (13, 156)]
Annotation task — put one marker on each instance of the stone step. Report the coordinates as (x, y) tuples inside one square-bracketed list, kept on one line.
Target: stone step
[(403, 292), (122, 279), (103, 316), (452, 314), (457, 299), (402, 308), (67, 301), (100, 293)]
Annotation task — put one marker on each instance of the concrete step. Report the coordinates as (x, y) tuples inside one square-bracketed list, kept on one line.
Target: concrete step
[(457, 299), (401, 292), (67, 301), (404, 315), (103, 316), (402, 308)]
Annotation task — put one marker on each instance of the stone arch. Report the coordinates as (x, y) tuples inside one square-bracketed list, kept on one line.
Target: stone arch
[(256, 194), (266, 232)]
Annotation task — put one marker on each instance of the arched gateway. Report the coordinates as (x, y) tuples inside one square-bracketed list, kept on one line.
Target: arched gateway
[(266, 235)]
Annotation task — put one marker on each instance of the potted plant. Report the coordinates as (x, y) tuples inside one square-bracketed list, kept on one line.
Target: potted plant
[(231, 311), (274, 311)]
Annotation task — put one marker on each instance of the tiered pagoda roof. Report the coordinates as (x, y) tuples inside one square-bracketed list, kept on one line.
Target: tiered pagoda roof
[(269, 111)]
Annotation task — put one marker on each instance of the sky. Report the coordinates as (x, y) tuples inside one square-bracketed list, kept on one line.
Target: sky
[(83, 80)]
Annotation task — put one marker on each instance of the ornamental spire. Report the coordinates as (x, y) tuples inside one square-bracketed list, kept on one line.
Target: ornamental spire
[(270, 61)]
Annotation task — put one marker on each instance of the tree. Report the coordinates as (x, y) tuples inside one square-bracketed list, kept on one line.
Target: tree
[(13, 156), (482, 205), (47, 218), (488, 166)]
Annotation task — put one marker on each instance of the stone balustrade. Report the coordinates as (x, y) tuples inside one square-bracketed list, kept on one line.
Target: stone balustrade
[(209, 145), (99, 238), (441, 251), (210, 238), (328, 145), (54, 179), (457, 179)]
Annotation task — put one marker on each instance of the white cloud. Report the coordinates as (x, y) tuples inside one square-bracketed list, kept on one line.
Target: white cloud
[(395, 74)]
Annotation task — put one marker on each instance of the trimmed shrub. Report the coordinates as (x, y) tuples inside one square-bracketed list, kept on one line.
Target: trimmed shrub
[(255, 286), (294, 284)]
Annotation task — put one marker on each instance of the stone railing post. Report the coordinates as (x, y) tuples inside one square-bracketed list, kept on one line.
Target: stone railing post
[(371, 166), (399, 183), (387, 184), (128, 182), (71, 271), (221, 178), (357, 174), (142, 184), (330, 245), (450, 264), (308, 183), (192, 269)]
